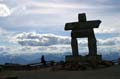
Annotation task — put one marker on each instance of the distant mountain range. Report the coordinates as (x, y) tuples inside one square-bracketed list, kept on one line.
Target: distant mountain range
[(35, 58)]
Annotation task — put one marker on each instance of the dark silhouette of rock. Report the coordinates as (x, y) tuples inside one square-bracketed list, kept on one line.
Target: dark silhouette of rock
[(83, 29)]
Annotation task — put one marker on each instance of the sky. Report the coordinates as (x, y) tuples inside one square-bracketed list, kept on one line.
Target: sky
[(29, 26), (45, 16)]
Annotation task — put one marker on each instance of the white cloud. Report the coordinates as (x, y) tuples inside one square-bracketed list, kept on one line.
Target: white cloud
[(34, 39), (109, 41), (55, 49), (4, 10), (105, 30)]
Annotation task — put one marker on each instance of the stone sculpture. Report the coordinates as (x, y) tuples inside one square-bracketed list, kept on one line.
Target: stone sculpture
[(82, 29)]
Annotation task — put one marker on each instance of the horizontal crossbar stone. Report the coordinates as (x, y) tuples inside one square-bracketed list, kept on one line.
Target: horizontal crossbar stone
[(82, 25)]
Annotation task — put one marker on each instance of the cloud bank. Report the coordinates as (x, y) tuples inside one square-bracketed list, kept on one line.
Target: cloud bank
[(36, 39)]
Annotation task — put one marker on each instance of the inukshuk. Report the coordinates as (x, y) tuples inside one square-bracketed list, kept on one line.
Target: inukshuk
[(82, 29)]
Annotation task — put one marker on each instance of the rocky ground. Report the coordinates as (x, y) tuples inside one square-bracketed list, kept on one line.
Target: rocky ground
[(112, 72)]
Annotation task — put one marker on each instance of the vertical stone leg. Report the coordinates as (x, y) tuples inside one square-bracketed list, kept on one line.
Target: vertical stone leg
[(74, 46), (92, 44)]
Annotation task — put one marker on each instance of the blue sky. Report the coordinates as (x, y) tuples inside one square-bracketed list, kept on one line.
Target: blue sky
[(38, 25)]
